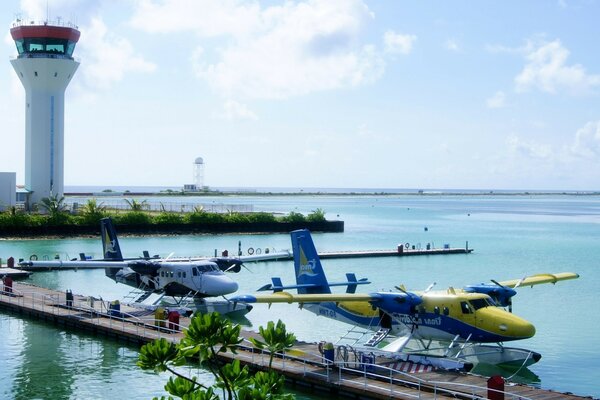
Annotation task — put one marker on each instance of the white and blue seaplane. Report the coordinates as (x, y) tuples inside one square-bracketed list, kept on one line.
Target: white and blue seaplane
[(453, 328), (193, 284)]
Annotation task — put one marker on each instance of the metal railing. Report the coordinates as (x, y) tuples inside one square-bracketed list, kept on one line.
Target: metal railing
[(309, 363), (397, 381), (120, 321)]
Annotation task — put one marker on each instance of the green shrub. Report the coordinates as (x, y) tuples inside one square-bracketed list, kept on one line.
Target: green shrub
[(317, 215), (133, 218), (236, 218), (261, 217), (167, 218), (294, 217), (203, 217)]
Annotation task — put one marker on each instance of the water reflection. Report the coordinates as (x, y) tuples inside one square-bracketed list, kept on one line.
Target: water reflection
[(43, 372)]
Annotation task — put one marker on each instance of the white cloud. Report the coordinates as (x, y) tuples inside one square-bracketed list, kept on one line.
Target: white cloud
[(587, 141), (235, 111), (548, 71), (272, 52), (529, 149), (498, 100), (452, 45), (396, 43), (108, 57)]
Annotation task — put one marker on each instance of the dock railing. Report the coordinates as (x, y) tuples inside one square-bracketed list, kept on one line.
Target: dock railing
[(340, 372), (313, 364), (57, 304)]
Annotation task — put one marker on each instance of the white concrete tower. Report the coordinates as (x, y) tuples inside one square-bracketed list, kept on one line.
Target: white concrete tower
[(199, 173), (45, 66)]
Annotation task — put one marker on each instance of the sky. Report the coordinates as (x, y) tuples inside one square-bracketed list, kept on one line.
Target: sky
[(323, 93)]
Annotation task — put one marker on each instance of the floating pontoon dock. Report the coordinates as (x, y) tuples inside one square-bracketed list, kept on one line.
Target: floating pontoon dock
[(302, 365)]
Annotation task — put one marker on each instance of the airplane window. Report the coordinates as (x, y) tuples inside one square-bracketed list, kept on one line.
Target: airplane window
[(184, 274), (179, 274), (478, 303), (464, 306), (436, 310), (171, 273), (446, 311), (194, 271)]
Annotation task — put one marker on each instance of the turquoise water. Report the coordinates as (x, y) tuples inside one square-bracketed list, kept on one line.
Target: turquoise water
[(513, 236)]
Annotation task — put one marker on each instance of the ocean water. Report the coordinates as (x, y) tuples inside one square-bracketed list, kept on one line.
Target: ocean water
[(513, 236)]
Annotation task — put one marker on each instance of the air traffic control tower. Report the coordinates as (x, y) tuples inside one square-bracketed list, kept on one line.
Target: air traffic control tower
[(45, 66)]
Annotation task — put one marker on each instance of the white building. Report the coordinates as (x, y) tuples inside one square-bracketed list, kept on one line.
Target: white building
[(199, 173), (45, 66), (198, 184), (8, 189)]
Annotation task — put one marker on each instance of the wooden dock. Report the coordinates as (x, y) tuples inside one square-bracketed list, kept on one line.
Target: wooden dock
[(14, 273), (302, 365)]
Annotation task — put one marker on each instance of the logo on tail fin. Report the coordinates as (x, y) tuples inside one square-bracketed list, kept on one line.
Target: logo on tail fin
[(109, 245), (306, 266)]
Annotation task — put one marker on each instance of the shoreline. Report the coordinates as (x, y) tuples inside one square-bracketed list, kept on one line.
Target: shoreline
[(490, 193)]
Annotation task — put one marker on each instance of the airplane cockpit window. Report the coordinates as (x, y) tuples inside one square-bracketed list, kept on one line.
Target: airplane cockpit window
[(479, 303), (466, 309), (207, 268)]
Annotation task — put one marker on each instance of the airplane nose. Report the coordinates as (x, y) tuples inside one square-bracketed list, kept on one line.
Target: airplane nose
[(517, 328), (525, 330), (218, 285)]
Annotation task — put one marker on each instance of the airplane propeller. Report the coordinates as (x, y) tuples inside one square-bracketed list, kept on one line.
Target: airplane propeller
[(430, 287), (504, 297)]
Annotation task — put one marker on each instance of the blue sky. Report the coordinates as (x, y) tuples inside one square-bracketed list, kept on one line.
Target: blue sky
[(324, 93)]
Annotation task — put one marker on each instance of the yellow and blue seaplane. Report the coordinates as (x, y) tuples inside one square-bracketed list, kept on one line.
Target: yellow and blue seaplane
[(457, 326)]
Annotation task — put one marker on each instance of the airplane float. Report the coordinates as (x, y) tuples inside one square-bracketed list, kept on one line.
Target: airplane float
[(452, 324), (188, 281)]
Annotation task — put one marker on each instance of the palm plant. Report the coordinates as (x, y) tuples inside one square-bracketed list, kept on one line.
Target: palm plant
[(93, 211), (276, 339), (136, 205), (53, 205)]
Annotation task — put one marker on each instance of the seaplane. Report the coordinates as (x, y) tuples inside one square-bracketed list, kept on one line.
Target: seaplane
[(191, 283), (452, 328)]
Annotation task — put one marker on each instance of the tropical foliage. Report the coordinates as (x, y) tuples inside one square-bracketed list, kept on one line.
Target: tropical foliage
[(207, 337), (55, 213)]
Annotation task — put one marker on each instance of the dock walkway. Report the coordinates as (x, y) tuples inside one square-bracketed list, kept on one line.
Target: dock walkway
[(302, 365)]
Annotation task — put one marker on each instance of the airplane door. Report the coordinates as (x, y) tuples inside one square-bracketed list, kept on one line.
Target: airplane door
[(468, 316), (197, 279)]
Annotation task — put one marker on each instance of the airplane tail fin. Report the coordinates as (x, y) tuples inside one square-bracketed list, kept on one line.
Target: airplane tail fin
[(310, 277), (110, 243)]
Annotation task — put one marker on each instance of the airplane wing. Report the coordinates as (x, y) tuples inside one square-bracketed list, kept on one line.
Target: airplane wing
[(57, 264), (287, 297), (540, 279), (279, 255)]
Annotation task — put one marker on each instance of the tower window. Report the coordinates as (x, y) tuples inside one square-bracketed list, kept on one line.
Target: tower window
[(35, 72), (55, 74)]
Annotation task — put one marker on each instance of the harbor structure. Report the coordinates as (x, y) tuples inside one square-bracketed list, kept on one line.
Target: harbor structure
[(199, 173), (8, 188), (351, 374), (198, 184), (45, 66)]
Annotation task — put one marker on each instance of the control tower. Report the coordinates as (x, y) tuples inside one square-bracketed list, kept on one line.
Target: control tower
[(45, 66)]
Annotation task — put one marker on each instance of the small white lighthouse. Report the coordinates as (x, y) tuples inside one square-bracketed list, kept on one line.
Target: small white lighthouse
[(199, 173), (45, 66)]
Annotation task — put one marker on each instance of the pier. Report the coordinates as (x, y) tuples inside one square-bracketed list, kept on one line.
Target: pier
[(303, 365)]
